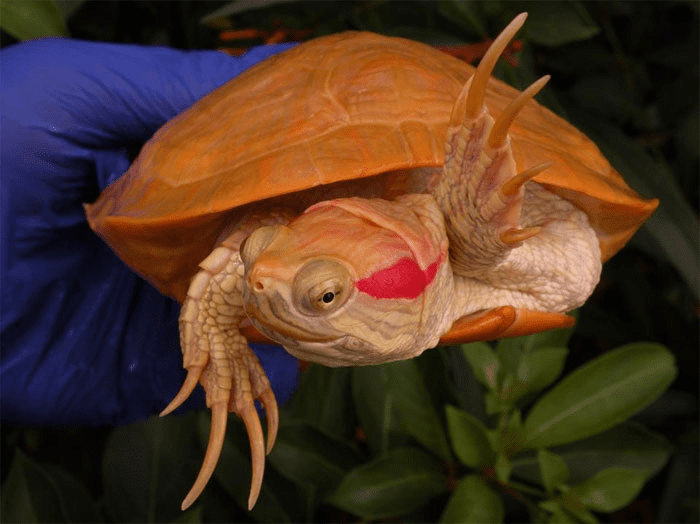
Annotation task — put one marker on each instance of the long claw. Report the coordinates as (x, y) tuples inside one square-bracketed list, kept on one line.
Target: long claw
[(257, 450), (475, 99), (499, 131), (515, 235), (219, 417), (511, 186), (194, 373), (269, 402)]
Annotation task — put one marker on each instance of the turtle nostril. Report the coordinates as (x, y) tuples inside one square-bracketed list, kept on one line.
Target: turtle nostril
[(256, 281)]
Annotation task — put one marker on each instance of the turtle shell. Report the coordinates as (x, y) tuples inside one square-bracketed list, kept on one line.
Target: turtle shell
[(337, 108)]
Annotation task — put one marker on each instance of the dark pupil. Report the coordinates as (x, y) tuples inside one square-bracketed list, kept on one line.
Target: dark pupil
[(328, 297)]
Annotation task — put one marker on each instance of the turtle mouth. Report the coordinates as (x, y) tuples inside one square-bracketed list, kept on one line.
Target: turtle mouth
[(274, 319)]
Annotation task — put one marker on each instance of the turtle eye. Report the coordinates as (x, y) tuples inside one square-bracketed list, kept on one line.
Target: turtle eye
[(321, 286)]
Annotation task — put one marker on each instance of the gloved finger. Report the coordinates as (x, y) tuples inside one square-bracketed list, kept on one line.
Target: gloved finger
[(102, 94), (68, 99)]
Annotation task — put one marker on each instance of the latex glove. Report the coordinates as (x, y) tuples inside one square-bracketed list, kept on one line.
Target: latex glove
[(84, 339)]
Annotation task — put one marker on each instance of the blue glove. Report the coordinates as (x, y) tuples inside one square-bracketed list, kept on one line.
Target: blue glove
[(84, 339)]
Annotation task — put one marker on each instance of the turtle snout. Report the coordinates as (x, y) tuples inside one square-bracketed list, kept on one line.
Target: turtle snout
[(257, 281), (257, 290)]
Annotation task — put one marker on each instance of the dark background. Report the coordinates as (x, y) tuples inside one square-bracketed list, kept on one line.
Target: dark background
[(626, 73)]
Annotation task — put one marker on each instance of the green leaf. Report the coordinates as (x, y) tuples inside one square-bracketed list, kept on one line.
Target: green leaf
[(529, 364), (541, 367), (483, 361), (468, 390), (469, 438), (571, 503), (678, 499), (237, 7), (25, 19), (493, 403), (564, 510), (191, 515), (414, 406), (559, 516), (611, 489), (503, 468), (324, 399), (553, 470), (628, 445), (558, 23), (374, 404), (556, 514), (394, 484), (536, 370), (437, 372), (509, 436), (463, 14), (34, 492), (600, 394), (148, 468), (393, 404), (510, 351), (305, 454), (473, 501)]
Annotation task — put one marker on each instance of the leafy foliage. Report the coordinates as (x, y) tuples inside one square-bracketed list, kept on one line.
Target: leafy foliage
[(552, 427)]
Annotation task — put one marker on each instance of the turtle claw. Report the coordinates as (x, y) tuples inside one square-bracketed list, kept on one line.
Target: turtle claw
[(269, 402), (250, 418), (511, 186), (475, 99), (194, 373), (219, 418), (499, 131), (516, 235)]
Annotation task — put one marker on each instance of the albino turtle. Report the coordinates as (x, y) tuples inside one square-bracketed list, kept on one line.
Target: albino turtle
[(355, 200)]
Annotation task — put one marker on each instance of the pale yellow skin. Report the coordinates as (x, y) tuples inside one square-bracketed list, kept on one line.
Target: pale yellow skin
[(497, 239)]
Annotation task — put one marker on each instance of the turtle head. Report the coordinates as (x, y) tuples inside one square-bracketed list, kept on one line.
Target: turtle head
[(343, 285)]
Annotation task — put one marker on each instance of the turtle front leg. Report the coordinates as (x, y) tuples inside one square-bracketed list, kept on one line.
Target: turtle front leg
[(216, 355), (480, 192)]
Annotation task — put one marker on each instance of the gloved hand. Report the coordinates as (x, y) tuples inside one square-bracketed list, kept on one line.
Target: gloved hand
[(84, 339)]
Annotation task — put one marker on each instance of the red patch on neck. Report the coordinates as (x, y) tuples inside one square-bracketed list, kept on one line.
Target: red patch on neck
[(405, 279)]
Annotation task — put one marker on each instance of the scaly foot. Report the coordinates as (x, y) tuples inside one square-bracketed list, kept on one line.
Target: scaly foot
[(480, 192), (218, 356)]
